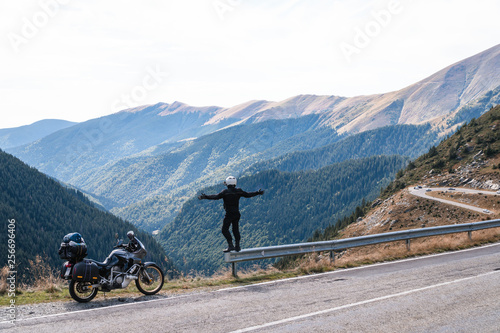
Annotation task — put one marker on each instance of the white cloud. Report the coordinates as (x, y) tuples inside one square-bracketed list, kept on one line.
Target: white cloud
[(91, 52)]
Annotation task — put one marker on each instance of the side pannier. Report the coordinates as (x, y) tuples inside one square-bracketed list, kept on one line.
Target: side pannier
[(86, 271)]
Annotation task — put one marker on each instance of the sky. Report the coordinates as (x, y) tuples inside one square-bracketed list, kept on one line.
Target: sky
[(78, 60)]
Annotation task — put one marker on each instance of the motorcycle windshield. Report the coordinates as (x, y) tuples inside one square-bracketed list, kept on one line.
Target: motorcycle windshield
[(141, 252)]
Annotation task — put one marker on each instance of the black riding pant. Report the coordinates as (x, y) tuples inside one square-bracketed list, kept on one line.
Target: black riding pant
[(231, 219)]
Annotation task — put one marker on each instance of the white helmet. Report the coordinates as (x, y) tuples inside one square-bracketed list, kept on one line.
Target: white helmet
[(230, 181)]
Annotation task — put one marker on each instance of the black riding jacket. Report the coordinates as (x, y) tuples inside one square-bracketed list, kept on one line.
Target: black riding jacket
[(231, 197)]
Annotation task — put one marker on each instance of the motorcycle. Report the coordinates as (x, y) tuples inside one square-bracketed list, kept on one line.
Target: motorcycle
[(123, 265)]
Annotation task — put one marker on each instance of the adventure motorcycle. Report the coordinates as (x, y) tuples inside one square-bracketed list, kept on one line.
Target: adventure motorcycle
[(122, 266)]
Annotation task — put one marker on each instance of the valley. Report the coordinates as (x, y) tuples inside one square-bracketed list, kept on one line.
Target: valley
[(317, 157)]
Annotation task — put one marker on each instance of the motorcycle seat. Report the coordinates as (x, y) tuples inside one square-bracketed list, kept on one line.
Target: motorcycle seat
[(100, 264)]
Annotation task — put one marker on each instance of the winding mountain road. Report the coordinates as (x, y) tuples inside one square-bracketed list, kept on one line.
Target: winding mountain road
[(422, 192), (450, 292)]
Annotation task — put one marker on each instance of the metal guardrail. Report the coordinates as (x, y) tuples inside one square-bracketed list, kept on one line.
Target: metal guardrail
[(343, 244)]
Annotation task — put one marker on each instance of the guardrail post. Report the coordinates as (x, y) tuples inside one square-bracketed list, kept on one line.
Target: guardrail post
[(234, 270), (408, 242), (332, 257), (470, 235)]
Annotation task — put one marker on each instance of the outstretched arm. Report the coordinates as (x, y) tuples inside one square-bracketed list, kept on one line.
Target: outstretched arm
[(252, 194), (211, 197)]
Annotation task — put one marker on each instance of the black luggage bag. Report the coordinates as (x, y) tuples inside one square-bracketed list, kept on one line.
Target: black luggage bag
[(86, 271), (73, 248)]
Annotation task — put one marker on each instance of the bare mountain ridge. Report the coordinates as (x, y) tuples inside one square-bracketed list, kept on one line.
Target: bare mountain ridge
[(432, 99), (429, 100)]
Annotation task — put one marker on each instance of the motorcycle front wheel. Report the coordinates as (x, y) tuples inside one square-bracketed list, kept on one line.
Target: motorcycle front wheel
[(82, 292), (150, 280)]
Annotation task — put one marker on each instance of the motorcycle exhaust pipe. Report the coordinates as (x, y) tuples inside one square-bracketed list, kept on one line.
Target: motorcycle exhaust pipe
[(127, 280)]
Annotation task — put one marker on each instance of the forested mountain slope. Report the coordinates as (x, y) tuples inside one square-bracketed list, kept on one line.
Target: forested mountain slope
[(139, 177), (164, 182), (149, 188), (44, 212), (293, 206), (405, 140)]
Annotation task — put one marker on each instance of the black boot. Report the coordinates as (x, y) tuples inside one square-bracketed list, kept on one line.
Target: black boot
[(237, 247), (230, 247)]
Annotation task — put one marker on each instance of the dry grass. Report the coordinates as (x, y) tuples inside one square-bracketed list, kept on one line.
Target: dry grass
[(44, 286), (224, 277), (321, 262), (491, 202), (3, 280), (43, 277), (315, 263), (418, 247)]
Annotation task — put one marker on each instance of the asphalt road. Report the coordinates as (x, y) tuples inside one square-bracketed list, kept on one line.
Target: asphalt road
[(451, 292), (422, 192)]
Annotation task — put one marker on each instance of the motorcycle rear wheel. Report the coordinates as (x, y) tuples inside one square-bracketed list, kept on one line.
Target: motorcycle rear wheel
[(150, 280), (81, 291)]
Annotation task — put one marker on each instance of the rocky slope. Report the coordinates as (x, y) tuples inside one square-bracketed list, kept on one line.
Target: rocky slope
[(468, 159)]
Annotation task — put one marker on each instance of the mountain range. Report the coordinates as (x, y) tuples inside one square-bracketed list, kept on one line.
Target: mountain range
[(145, 164), (18, 136), (433, 99)]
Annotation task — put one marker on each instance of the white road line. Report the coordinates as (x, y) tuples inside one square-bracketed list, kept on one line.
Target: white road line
[(97, 308), (252, 285), (312, 314)]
